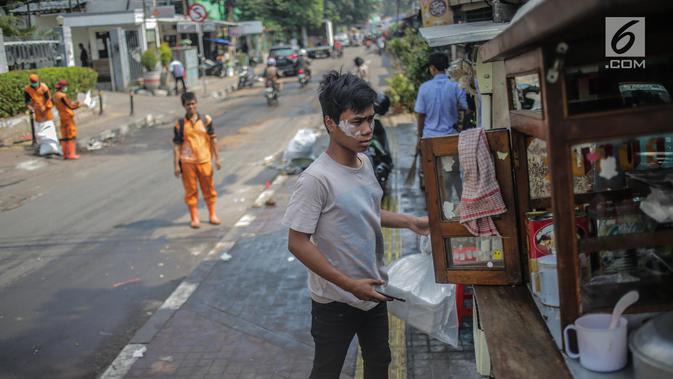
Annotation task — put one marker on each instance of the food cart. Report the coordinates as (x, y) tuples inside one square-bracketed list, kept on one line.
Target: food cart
[(585, 170)]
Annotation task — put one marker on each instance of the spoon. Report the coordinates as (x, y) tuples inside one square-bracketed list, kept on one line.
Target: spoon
[(626, 301)]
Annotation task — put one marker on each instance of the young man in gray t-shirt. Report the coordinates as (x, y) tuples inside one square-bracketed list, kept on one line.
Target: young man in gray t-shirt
[(335, 221)]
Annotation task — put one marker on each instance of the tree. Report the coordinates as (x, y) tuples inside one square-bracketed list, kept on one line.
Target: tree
[(283, 14), (351, 12)]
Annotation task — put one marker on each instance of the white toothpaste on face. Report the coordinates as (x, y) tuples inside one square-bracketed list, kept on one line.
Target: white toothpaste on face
[(349, 129)]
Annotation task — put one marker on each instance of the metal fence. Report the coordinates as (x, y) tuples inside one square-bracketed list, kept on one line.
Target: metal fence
[(25, 54)]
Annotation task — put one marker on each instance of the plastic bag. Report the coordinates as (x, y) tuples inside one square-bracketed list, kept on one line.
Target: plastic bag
[(301, 145), (47, 140), (87, 100), (299, 153), (429, 307)]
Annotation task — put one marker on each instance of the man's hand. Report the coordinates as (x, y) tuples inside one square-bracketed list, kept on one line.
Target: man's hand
[(178, 172), (363, 289), (43, 108), (218, 164), (419, 225)]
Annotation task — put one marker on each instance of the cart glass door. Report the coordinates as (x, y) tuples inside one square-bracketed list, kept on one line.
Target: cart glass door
[(459, 256)]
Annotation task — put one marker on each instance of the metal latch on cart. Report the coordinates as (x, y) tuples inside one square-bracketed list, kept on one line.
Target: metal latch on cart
[(555, 69)]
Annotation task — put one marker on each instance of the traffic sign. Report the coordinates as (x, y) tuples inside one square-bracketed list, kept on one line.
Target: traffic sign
[(198, 13)]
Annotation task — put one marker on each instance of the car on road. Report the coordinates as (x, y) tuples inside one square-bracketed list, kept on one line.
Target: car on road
[(343, 38), (286, 59)]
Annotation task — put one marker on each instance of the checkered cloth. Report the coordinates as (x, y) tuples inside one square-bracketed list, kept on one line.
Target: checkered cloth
[(481, 197)]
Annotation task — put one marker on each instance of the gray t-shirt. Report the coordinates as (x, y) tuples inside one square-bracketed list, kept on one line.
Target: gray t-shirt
[(340, 207)]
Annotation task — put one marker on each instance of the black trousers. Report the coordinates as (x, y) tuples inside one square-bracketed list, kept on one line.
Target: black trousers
[(180, 79), (333, 327)]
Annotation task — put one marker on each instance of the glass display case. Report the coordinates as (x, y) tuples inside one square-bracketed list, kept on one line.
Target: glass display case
[(590, 174)]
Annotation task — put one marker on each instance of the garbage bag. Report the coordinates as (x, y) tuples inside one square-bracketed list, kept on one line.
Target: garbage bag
[(46, 138), (87, 100), (301, 145), (429, 307)]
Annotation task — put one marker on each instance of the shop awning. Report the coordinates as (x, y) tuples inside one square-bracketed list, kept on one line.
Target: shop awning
[(219, 41), (468, 32)]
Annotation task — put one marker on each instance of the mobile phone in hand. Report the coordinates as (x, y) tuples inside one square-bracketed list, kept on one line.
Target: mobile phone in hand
[(381, 290)]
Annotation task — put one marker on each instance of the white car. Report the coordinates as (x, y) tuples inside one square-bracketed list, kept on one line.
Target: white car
[(343, 38)]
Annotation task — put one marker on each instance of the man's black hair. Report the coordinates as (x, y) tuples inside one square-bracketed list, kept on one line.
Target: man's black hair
[(439, 60), (342, 92), (188, 96)]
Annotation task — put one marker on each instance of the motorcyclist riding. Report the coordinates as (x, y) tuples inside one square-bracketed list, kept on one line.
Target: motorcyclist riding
[(271, 73), (303, 62), (361, 69)]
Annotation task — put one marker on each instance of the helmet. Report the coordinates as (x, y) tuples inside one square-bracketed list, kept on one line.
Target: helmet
[(302, 52), (271, 62), (381, 104)]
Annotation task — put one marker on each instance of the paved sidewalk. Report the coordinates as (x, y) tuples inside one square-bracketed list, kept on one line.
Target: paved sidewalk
[(249, 314)]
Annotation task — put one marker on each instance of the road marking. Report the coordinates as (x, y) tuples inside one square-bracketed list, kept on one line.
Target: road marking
[(122, 364), (179, 296)]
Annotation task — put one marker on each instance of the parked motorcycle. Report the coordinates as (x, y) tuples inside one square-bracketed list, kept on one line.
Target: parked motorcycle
[(271, 93), (214, 68), (303, 77), (379, 150), (246, 77)]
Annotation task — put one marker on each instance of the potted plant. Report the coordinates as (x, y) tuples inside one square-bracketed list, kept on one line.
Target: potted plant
[(165, 56), (152, 76)]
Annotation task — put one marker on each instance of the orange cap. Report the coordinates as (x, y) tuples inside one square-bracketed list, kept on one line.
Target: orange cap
[(34, 78), (61, 83)]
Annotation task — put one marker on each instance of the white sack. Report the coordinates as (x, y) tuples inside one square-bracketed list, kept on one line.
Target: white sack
[(47, 140)]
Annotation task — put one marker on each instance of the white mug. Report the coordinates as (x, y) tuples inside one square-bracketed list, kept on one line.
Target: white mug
[(600, 348)]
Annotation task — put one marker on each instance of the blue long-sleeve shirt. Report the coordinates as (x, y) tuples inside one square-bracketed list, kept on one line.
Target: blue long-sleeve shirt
[(440, 99)]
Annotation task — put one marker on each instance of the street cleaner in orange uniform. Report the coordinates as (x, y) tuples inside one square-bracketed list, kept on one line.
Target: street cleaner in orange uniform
[(194, 148), (38, 100), (66, 109)]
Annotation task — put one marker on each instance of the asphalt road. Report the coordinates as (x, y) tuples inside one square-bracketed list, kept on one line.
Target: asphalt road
[(96, 245)]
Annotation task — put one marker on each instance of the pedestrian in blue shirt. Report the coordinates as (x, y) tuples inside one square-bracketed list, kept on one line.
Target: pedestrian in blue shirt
[(439, 101), (437, 106)]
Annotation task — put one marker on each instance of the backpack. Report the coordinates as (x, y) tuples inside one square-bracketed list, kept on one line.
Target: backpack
[(181, 125)]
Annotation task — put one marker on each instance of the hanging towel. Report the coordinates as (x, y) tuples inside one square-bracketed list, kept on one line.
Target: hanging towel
[(481, 196)]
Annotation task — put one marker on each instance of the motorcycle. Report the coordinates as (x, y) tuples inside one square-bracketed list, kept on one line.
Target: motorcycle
[(246, 77), (214, 68), (304, 78), (378, 151), (271, 93)]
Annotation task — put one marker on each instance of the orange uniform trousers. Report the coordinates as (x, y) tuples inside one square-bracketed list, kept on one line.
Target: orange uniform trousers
[(194, 174), (68, 129)]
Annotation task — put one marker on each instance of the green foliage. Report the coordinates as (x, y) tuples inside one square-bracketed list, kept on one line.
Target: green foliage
[(165, 54), (149, 60), (285, 14), (351, 12), (411, 52), (402, 91), (11, 27), (80, 79)]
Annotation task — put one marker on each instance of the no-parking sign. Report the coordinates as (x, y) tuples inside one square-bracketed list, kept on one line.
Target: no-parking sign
[(198, 13)]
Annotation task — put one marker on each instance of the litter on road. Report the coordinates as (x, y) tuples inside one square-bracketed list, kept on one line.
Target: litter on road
[(125, 282)]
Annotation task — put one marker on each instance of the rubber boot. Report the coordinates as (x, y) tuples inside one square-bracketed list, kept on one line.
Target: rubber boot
[(64, 149), (72, 147), (213, 217), (194, 215)]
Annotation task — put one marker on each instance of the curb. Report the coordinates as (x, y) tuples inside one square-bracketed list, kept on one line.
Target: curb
[(137, 346), (99, 140)]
